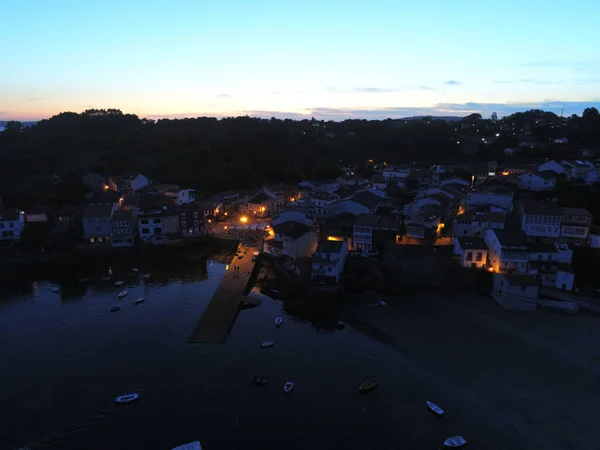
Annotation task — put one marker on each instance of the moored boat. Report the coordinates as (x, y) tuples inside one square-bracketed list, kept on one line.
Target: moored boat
[(146, 276), (115, 308), (122, 294), (135, 269), (127, 398), (189, 446), (455, 442), (260, 381), (435, 408), (288, 386), (367, 386), (278, 321), (140, 300), (267, 344), (119, 283)]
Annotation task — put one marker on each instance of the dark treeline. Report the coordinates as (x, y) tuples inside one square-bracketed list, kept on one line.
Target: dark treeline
[(213, 155)]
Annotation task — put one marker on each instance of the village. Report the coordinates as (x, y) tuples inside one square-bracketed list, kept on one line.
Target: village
[(417, 221)]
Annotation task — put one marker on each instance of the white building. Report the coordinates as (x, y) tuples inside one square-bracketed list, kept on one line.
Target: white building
[(515, 292), (363, 202), (321, 202), (577, 170), (575, 226), (12, 222), (368, 228), (292, 239), (470, 252), (391, 172), (538, 181), (551, 265), (186, 196), (552, 166), (474, 223), (128, 184), (328, 262), (508, 251), (540, 220), (298, 214)]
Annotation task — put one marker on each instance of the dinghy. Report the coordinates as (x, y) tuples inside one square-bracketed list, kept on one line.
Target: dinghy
[(115, 308), (435, 409), (278, 322), (140, 300), (260, 381), (367, 386), (267, 344), (119, 283), (127, 398), (288, 386), (122, 294), (190, 446), (455, 442)]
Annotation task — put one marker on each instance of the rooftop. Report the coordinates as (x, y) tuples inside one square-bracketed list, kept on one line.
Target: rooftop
[(330, 246), (374, 221), (324, 196), (472, 243), (542, 247), (98, 210), (259, 198), (511, 238), (292, 229), (546, 174), (367, 199), (540, 207), (9, 214), (123, 214), (485, 216), (566, 211), (520, 280)]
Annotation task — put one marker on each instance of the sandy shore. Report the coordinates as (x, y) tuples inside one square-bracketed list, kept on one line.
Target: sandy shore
[(529, 380)]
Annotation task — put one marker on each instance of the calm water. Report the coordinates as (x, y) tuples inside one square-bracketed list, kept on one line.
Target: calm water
[(65, 357)]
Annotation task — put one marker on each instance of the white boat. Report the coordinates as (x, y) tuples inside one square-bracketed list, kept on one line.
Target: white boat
[(435, 409), (122, 294), (146, 276), (190, 446), (135, 269), (119, 283), (140, 300), (288, 386), (278, 321), (455, 442), (127, 398), (267, 344)]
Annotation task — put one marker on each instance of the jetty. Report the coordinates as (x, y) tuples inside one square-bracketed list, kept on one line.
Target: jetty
[(229, 298)]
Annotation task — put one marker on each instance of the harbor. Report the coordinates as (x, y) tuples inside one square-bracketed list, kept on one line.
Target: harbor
[(224, 307)]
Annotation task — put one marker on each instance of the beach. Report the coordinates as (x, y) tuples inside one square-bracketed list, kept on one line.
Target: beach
[(530, 377)]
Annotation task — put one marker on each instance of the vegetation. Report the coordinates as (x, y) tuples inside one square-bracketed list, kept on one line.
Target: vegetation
[(213, 155)]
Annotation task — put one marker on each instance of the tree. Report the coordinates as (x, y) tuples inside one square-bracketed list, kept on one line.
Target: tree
[(494, 117), (14, 126)]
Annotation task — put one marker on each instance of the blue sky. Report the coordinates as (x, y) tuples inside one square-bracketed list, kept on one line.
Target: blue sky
[(331, 59)]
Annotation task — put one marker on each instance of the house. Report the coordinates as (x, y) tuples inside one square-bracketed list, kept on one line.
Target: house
[(508, 151), (157, 219), (176, 194), (321, 201), (258, 205), (544, 180), (364, 202), (127, 184), (392, 172), (575, 226), (209, 209), (230, 200), (66, 219), (37, 215), (474, 223), (552, 166), (97, 227), (12, 222), (594, 236), (328, 262), (123, 228), (547, 260), (577, 170), (503, 201), (540, 220), (191, 219), (508, 251), (371, 232), (293, 240), (470, 252), (352, 180), (515, 292), (277, 194), (298, 214)]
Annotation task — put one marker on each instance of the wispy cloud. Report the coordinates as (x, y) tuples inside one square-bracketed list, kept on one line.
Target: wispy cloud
[(452, 83), (224, 96), (528, 81), (375, 90)]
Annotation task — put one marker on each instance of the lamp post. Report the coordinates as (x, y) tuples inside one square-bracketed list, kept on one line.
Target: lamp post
[(243, 221)]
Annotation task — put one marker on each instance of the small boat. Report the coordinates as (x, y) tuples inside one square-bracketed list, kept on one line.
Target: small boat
[(267, 344), (147, 275), (55, 289), (382, 303), (140, 300), (278, 322), (127, 398), (119, 283), (455, 442), (122, 294), (83, 280), (341, 324), (435, 409), (115, 308), (288, 386), (367, 386), (190, 446), (135, 269), (261, 381)]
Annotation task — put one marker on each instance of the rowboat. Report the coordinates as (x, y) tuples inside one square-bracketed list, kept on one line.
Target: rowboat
[(288, 386), (190, 446), (122, 294), (127, 398), (435, 409), (146, 276), (140, 300), (115, 308), (261, 381), (455, 442), (267, 344), (278, 322), (119, 283), (367, 386)]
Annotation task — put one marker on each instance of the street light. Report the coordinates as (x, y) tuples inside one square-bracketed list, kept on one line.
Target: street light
[(243, 220)]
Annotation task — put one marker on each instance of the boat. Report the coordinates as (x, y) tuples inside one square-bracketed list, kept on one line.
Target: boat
[(83, 280), (115, 308), (382, 303), (127, 398), (135, 269), (435, 409), (455, 442), (288, 386), (278, 322), (55, 289), (367, 386), (147, 275), (189, 446), (119, 283), (267, 344), (140, 300), (122, 294), (261, 381)]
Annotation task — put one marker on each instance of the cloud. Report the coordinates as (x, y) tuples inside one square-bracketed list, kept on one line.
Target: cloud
[(375, 90), (452, 83), (528, 81), (224, 95)]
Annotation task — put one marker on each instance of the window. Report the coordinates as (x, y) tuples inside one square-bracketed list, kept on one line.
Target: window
[(11, 225), (92, 240), (98, 229), (195, 214), (8, 234), (158, 230), (479, 256), (469, 256), (145, 230), (155, 220), (145, 221)]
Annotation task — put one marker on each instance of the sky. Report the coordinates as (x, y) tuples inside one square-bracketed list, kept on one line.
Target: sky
[(328, 59)]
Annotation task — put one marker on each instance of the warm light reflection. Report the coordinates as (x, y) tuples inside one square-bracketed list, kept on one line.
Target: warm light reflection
[(490, 269), (243, 219), (505, 173), (225, 227), (227, 267), (334, 238), (262, 209)]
